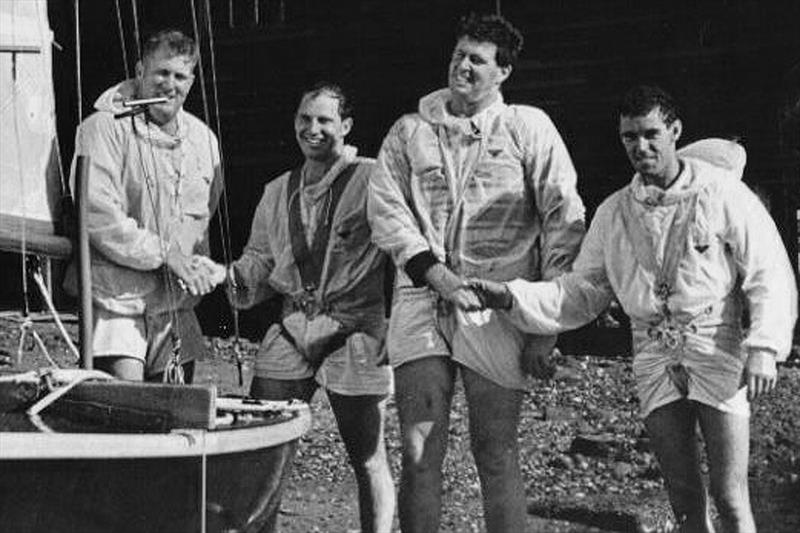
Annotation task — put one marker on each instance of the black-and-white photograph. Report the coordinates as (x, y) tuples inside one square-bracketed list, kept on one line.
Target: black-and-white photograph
[(374, 266)]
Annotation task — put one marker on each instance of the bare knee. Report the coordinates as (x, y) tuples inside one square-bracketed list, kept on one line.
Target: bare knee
[(372, 466), (121, 367), (417, 441), (731, 495)]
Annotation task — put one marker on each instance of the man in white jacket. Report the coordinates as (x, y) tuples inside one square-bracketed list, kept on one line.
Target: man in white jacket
[(688, 250), (154, 182), (469, 186), (310, 246)]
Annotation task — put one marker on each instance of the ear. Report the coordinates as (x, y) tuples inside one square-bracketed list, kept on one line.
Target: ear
[(505, 72), (347, 125), (677, 129)]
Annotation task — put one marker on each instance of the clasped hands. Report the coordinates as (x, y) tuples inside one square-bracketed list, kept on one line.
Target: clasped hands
[(469, 295), (197, 274)]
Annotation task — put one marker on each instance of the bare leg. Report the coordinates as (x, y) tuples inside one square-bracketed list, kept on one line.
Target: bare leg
[(278, 389), (424, 389), (121, 367), (361, 425), (727, 439), (493, 420), (672, 429)]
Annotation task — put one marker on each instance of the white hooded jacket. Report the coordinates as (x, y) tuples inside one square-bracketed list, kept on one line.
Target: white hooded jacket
[(684, 263), (147, 192), (491, 196)]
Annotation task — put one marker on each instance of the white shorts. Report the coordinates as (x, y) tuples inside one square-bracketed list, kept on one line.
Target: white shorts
[(352, 370), (147, 338), (421, 326)]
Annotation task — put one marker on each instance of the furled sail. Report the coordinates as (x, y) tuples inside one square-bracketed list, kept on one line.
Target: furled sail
[(30, 172)]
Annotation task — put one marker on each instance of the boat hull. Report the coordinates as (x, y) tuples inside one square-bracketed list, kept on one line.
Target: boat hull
[(185, 481)]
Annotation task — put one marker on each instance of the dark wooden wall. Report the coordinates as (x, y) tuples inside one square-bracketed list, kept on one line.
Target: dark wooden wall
[(733, 64)]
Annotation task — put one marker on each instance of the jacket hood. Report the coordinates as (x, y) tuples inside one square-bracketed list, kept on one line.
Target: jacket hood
[(317, 190), (111, 102), (433, 109), (723, 154)]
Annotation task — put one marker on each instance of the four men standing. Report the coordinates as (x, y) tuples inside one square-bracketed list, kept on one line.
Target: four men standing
[(468, 193)]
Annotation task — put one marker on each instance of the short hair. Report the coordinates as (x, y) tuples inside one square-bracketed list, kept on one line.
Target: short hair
[(330, 89), (175, 41), (493, 29), (642, 99)]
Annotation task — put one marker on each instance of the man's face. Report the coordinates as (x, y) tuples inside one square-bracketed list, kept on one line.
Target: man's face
[(474, 72), (319, 128), (650, 143), (165, 74)]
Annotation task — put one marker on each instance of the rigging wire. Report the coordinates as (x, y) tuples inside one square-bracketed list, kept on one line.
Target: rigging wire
[(225, 214), (225, 218), (121, 31), (78, 59), (23, 211), (136, 30), (200, 63), (173, 373)]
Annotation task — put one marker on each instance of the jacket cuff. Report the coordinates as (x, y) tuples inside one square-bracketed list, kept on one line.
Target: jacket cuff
[(418, 266)]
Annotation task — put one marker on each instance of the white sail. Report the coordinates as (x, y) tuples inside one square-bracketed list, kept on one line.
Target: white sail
[(30, 175)]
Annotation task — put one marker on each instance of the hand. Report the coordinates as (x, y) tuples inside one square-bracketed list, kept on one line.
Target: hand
[(181, 265), (492, 294), (215, 272), (194, 273), (760, 373), (539, 357), (452, 288)]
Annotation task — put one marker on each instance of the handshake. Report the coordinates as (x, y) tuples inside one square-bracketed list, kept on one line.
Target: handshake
[(197, 274), (469, 295)]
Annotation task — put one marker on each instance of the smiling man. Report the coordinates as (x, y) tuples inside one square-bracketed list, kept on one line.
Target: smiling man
[(469, 186), (687, 249), (310, 246), (154, 183)]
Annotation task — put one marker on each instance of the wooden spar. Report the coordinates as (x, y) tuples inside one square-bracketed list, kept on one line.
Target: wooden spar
[(39, 237), (84, 265)]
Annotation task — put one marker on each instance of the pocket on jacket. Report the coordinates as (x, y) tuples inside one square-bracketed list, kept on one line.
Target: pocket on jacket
[(195, 193)]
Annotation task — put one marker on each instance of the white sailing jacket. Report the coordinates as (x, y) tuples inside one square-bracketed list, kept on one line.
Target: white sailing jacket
[(684, 263), (147, 191), (494, 196), (491, 196)]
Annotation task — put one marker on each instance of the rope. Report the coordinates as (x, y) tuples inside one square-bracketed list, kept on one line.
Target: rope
[(121, 31), (203, 483), (25, 328), (26, 325), (173, 372), (37, 276), (58, 392)]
